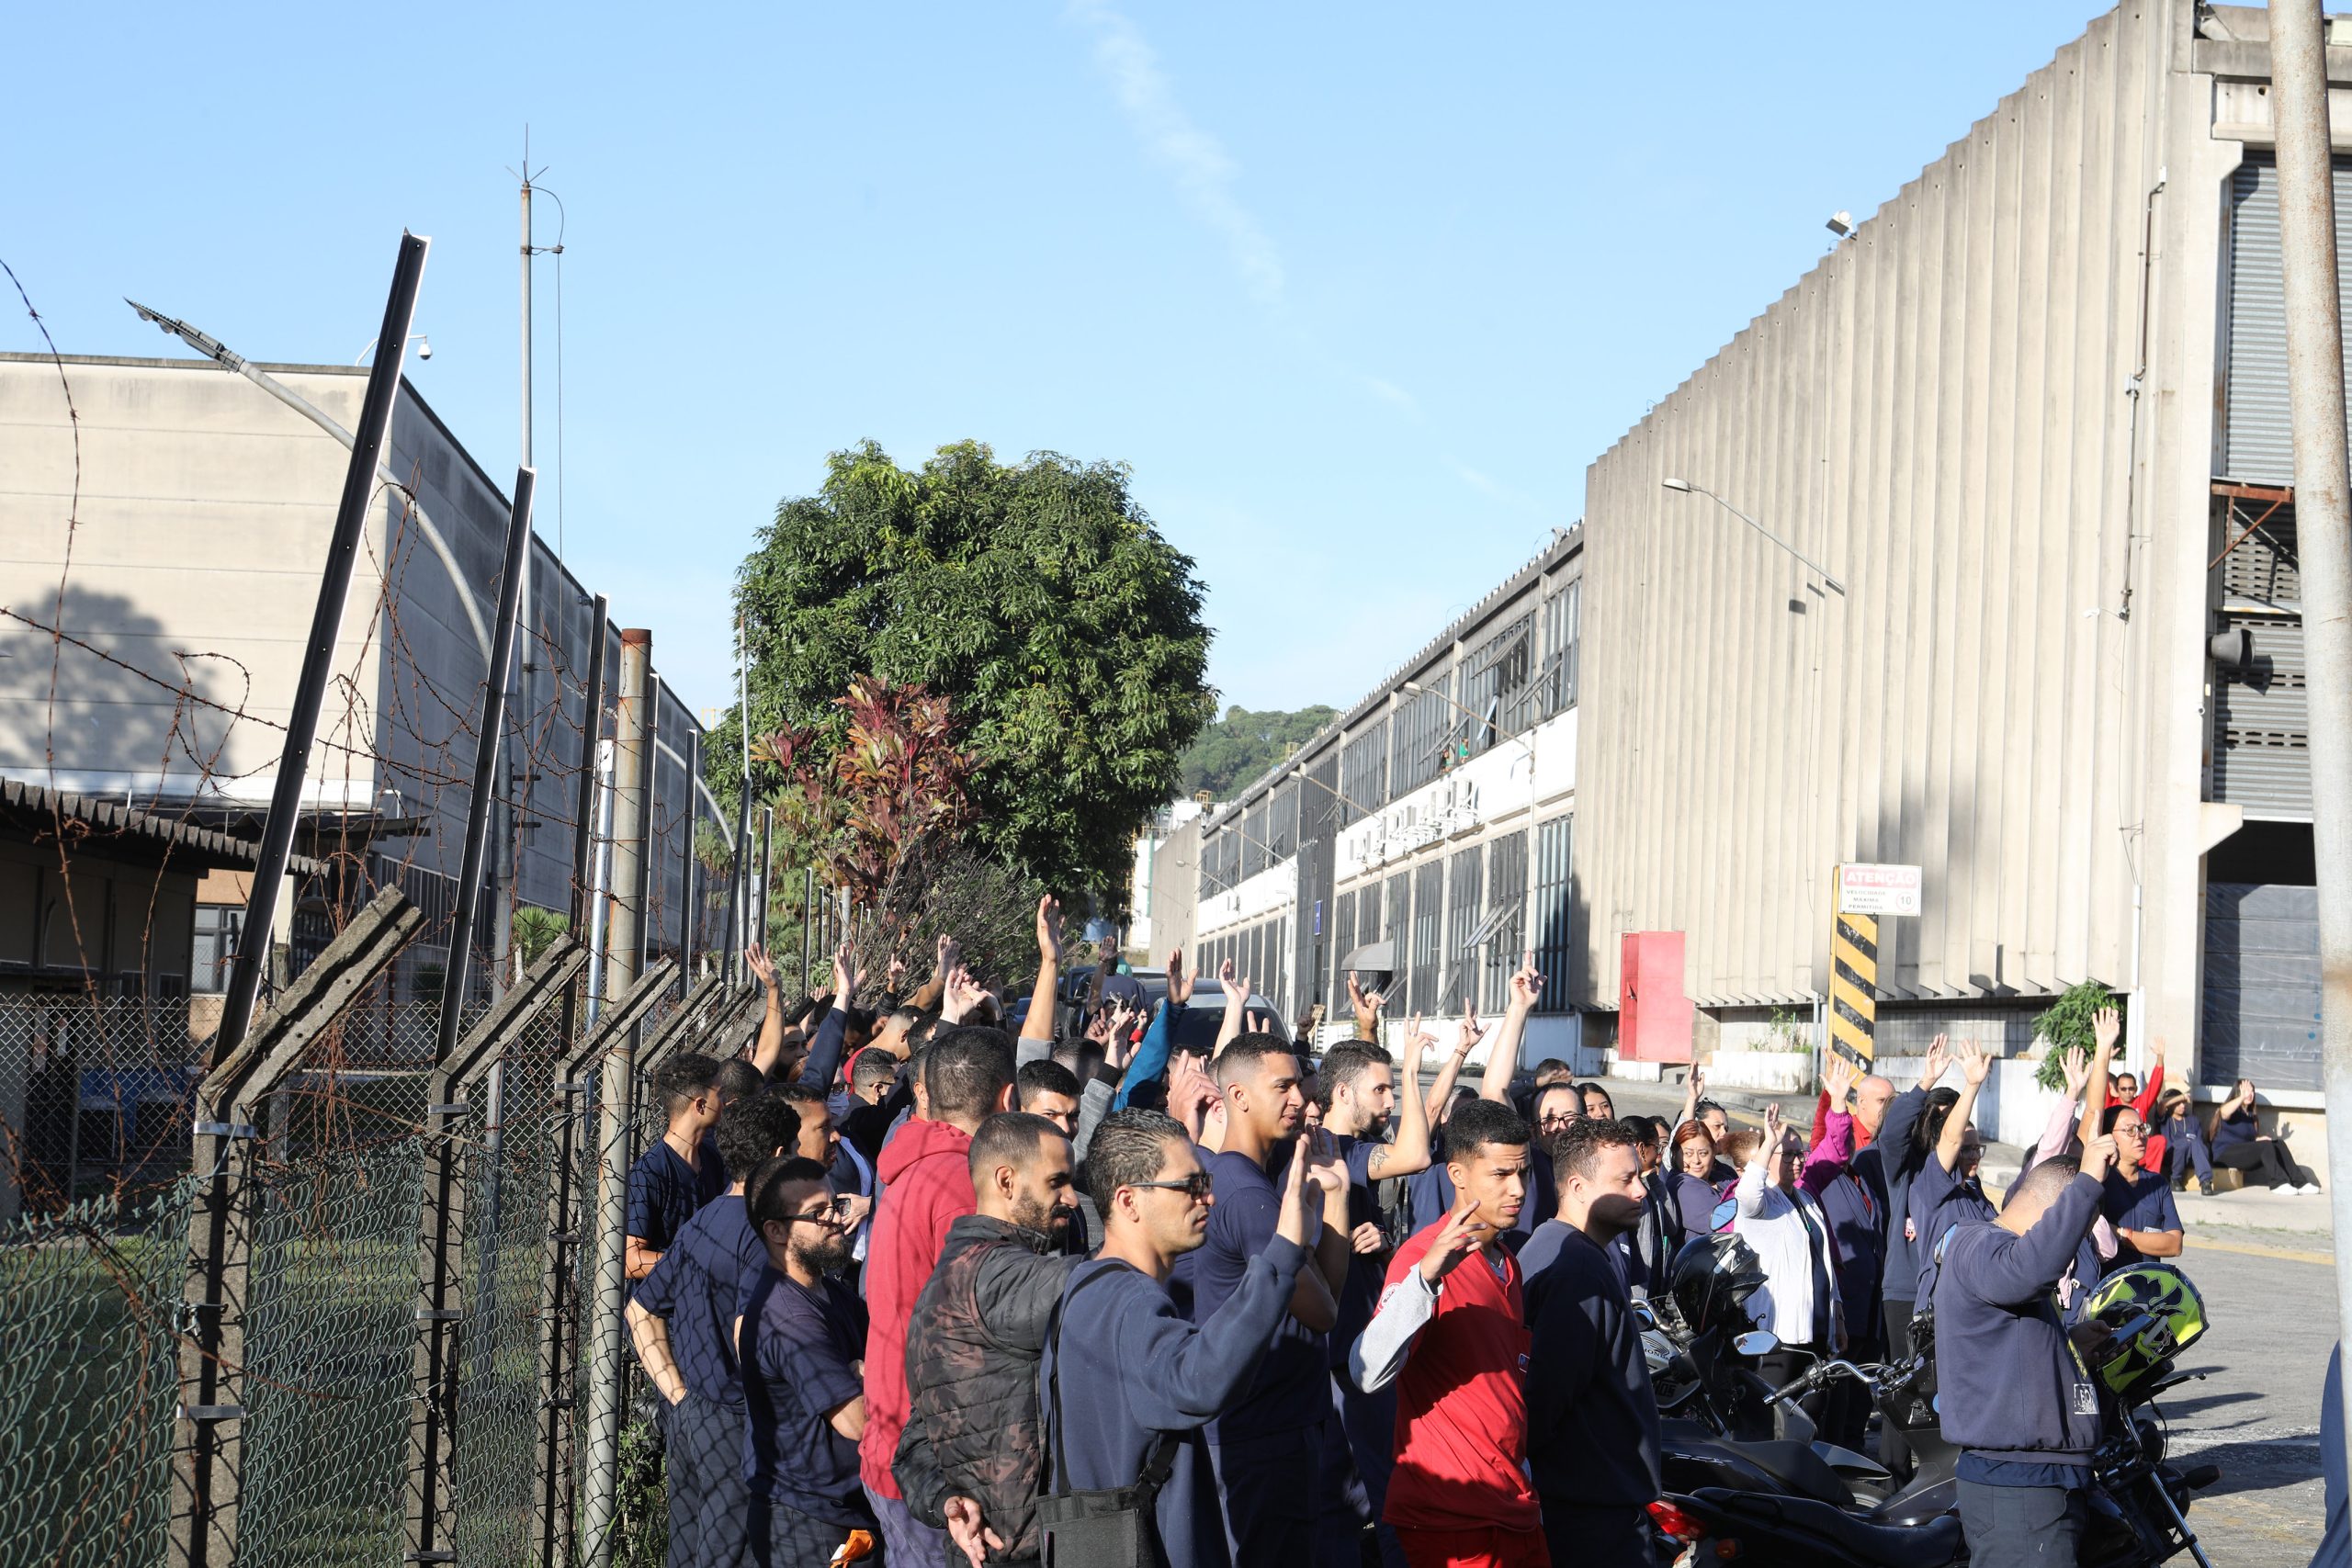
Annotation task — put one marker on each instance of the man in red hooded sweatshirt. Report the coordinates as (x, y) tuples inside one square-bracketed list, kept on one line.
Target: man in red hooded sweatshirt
[(926, 1171)]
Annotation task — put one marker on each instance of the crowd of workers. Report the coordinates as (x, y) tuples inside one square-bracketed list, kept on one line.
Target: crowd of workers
[(934, 1283)]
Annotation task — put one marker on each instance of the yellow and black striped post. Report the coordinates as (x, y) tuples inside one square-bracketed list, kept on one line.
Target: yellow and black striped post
[(1853, 984)]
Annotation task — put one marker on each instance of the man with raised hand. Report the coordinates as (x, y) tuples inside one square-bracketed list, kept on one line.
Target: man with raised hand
[(1433, 1191), (1129, 1382), (1593, 1440), (1278, 1509), (1451, 1331), (969, 1458), (2015, 1397)]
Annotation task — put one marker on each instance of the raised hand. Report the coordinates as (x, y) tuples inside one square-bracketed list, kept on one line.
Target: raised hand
[(895, 977), (1456, 1240), (949, 956), (846, 977), (1323, 1167), (1049, 931), (1526, 985), (1190, 1095), (2156, 1050), (2078, 1073), (755, 959), (2107, 1027), (1367, 1004), (1974, 1063), (1772, 1125), (1841, 1078), (961, 995), (1180, 983), (1098, 1029), (1291, 1223), (1932, 1072)]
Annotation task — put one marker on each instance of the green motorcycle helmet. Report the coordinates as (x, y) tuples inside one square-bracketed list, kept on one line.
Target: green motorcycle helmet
[(2152, 1312)]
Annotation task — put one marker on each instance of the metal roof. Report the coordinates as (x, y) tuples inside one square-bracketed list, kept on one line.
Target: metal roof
[(31, 807)]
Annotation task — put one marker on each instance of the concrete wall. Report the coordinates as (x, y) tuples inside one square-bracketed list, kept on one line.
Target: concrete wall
[(1949, 412)]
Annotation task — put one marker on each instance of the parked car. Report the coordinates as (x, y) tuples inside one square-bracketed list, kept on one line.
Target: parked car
[(1204, 1016)]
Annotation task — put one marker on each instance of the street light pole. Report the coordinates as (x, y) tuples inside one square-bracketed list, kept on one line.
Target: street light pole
[(1687, 488)]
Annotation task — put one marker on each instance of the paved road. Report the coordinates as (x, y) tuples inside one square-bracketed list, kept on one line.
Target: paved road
[(2271, 1296)]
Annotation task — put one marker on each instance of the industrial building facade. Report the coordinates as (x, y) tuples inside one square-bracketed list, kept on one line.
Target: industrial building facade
[(2030, 419), (201, 508)]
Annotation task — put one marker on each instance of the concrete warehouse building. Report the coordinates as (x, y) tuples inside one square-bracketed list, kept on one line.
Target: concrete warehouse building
[(2031, 416), (202, 507)]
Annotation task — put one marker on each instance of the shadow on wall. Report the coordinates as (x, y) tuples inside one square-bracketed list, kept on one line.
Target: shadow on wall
[(118, 703)]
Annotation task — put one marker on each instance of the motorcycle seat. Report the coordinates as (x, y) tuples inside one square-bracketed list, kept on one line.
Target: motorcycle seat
[(1797, 1466), (1933, 1544)]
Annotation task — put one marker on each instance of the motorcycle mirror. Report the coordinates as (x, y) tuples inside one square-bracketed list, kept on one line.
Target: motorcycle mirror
[(1761, 1342), (1644, 1315), (1724, 1213)]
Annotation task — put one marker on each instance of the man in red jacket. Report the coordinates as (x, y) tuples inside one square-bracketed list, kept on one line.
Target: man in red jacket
[(926, 1171)]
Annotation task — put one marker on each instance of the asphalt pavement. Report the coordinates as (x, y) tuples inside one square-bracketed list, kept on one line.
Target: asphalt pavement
[(2265, 1264)]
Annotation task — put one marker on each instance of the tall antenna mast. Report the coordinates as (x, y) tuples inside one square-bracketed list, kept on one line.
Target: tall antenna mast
[(527, 304)]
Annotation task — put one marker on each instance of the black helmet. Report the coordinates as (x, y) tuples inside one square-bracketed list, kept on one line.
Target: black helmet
[(1713, 1276)]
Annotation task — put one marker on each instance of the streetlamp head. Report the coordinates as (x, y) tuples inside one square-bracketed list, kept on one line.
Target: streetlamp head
[(1412, 686), (1683, 485)]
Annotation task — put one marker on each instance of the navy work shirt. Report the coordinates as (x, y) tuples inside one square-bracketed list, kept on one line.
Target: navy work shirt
[(1359, 1295), (664, 1191), (2142, 1203), (1939, 1201), (799, 1350), (1292, 1388), (696, 1289)]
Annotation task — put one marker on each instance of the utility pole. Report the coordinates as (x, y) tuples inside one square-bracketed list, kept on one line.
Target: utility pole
[(2324, 521), (634, 730)]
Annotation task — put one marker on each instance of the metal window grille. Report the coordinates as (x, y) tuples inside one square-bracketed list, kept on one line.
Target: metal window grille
[(1363, 772), (1506, 898), (1418, 737), (1281, 824), (1343, 941), (1465, 869), (1562, 612), (1498, 683), (1253, 841), (1428, 933), (1398, 923), (217, 926), (1554, 842)]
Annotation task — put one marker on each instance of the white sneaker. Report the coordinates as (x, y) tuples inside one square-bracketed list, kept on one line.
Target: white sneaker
[(2309, 1189)]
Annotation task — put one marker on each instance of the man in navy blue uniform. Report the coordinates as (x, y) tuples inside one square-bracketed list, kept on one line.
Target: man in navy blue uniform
[(682, 1172), (802, 1344), (682, 1322), (2015, 1396)]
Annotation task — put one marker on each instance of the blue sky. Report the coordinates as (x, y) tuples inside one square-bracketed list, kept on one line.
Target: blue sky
[(1357, 289)]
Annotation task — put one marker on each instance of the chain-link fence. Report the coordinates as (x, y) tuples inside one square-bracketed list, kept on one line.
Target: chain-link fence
[(97, 1099)]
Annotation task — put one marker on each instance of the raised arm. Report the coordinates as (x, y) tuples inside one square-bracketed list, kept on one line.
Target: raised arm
[(1502, 1057), (927, 995), (1448, 1070), (1973, 1065), (1410, 1152), (1039, 1024), (1828, 1158), (2061, 1129), (2145, 1103), (1151, 1056), (2107, 1027), (1366, 1005), (771, 1041), (825, 1050), (1237, 1005), (1748, 1191)]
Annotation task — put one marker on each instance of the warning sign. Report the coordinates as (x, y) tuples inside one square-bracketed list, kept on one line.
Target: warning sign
[(1878, 889)]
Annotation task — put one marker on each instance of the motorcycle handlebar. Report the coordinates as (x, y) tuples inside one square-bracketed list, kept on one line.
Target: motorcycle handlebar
[(1819, 1374)]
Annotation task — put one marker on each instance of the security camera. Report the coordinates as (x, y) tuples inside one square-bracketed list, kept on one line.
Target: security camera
[(424, 348), (1841, 224)]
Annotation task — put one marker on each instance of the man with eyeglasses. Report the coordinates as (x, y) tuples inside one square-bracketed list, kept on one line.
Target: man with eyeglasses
[(683, 1324), (801, 1339), (1126, 1370)]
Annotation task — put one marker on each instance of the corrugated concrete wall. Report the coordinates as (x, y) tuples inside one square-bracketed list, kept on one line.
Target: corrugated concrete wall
[(1939, 414)]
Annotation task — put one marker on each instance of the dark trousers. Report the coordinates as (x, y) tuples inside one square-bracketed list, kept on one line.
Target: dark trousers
[(1369, 1422), (1845, 1415), (1267, 1489), (704, 1440), (2187, 1148), (906, 1540), (1893, 1452), (2262, 1160), (2020, 1526), (1582, 1536), (784, 1537)]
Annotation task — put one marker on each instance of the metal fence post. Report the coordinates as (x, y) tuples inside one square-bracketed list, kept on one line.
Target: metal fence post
[(433, 1368), (555, 1532), (208, 1457)]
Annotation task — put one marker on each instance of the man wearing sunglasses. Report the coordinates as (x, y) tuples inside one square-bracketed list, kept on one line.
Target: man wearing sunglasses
[(1127, 1370), (801, 1341)]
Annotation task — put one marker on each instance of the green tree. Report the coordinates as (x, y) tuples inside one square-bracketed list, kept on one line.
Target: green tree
[(1037, 597), (1241, 745)]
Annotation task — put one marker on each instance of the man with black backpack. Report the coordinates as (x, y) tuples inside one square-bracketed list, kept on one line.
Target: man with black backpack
[(1128, 1384)]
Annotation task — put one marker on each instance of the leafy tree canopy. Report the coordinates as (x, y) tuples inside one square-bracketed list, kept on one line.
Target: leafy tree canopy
[(1037, 597), (1239, 746)]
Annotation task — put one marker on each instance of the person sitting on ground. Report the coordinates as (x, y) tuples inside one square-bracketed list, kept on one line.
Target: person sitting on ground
[(2185, 1148), (682, 1172), (967, 1460), (1453, 1336), (2238, 1143), (1593, 1436), (1127, 1380), (681, 1323), (799, 1341)]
